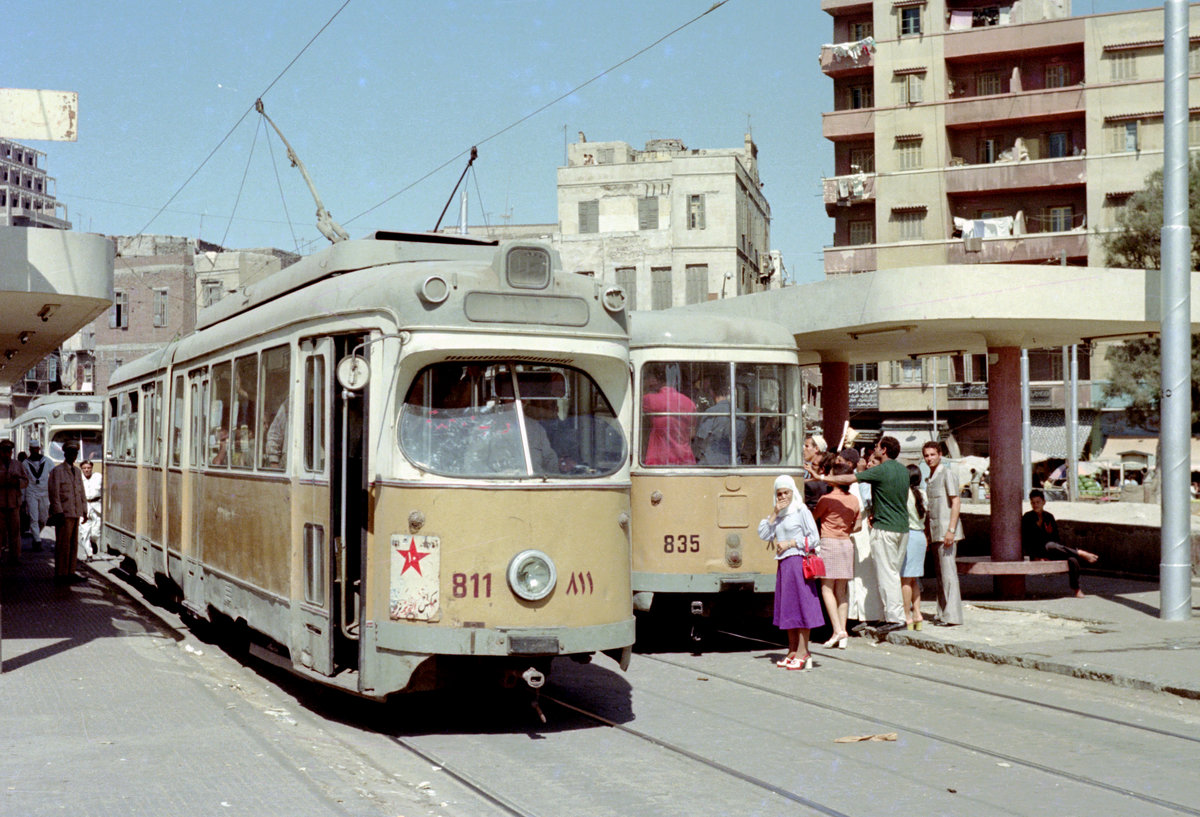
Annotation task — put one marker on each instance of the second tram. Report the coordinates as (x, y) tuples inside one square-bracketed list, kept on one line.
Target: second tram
[(399, 462), (719, 418), (56, 419)]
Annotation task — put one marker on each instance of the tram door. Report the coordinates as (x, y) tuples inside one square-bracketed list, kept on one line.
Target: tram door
[(327, 595)]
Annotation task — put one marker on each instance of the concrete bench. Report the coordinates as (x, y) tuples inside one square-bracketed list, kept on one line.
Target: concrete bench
[(984, 566)]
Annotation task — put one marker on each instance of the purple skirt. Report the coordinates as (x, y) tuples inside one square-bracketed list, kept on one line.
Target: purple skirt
[(797, 604)]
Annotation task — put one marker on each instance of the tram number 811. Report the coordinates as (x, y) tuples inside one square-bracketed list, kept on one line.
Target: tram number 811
[(683, 543)]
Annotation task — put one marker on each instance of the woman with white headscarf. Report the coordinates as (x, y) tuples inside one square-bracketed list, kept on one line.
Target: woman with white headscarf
[(791, 528)]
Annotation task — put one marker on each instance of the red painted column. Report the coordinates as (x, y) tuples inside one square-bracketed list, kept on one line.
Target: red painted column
[(835, 398), (1004, 450)]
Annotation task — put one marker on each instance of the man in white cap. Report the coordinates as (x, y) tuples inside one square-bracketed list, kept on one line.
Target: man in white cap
[(37, 491)]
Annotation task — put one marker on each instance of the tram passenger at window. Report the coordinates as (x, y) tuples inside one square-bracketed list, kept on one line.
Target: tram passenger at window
[(541, 452), (672, 420), (711, 443)]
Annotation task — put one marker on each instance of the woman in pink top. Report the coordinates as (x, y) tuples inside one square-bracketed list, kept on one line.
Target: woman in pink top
[(672, 418), (837, 513)]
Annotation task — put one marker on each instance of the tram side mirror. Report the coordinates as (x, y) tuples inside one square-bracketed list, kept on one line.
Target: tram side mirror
[(353, 372)]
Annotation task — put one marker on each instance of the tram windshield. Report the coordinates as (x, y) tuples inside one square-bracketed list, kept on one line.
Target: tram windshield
[(509, 420), (689, 409), (88, 439)]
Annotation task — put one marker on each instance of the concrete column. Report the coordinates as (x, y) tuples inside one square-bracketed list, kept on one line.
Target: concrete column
[(1004, 449), (835, 398)]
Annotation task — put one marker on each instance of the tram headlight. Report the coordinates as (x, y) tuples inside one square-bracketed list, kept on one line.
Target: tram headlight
[(433, 290), (531, 575)]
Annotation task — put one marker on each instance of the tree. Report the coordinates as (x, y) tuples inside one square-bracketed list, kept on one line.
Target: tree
[(1137, 244)]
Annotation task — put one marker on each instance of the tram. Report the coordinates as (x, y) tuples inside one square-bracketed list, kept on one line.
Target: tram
[(56, 419), (399, 462), (719, 418)]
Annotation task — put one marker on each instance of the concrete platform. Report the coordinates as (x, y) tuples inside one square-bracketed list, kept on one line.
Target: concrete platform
[(984, 566)]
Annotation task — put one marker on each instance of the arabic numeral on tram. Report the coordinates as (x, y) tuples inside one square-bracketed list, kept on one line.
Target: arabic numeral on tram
[(460, 583), (683, 543)]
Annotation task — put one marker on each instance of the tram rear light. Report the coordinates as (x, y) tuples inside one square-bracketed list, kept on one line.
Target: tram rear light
[(614, 299), (531, 575), (433, 290)]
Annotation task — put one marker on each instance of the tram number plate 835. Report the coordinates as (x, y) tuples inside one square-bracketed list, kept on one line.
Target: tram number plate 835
[(682, 543)]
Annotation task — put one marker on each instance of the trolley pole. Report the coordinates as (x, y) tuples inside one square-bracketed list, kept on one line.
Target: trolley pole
[(1175, 567)]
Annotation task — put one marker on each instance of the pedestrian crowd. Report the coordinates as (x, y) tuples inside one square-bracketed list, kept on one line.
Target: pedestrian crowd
[(36, 494), (852, 544)]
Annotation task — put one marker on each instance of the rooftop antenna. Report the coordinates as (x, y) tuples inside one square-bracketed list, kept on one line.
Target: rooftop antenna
[(471, 161), (325, 223)]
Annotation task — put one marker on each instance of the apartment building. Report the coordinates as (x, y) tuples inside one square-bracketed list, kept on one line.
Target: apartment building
[(26, 192), (670, 224), (976, 132)]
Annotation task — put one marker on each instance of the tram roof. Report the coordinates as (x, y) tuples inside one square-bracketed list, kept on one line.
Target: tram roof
[(671, 328), (891, 314)]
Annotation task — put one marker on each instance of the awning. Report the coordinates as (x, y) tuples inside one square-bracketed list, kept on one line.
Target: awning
[(1130, 450)]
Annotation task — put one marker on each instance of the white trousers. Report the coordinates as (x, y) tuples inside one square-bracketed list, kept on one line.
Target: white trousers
[(38, 505), (888, 549)]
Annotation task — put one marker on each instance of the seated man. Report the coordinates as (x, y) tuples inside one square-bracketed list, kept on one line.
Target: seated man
[(1040, 540)]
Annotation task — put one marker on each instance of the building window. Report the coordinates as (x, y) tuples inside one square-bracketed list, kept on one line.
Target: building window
[(988, 151), (912, 88), (696, 212), (907, 372), (862, 232), (1060, 219), (864, 372), (648, 213), (1194, 60), (160, 306), (910, 21), (910, 154), (1193, 131), (987, 83), (589, 216), (1125, 137), (1123, 65), (696, 283), (1056, 76), (860, 96), (626, 279), (210, 292), (118, 316), (1056, 145), (862, 160), (860, 31), (911, 224), (661, 296)]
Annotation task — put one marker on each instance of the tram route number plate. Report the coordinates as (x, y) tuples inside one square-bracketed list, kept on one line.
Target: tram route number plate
[(415, 570)]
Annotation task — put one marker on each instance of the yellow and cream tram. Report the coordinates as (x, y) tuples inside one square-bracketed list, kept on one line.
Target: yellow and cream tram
[(719, 417), (56, 419), (399, 454)]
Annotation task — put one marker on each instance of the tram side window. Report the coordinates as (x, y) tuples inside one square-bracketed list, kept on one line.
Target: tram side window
[(129, 426), (113, 437), (152, 428), (273, 421), (314, 414), (245, 404), (198, 385), (177, 399), (217, 455), (768, 395), (510, 419)]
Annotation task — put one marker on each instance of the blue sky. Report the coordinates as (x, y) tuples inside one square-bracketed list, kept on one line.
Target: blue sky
[(390, 91)]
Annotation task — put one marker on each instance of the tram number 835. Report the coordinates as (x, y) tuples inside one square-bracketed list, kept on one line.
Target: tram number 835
[(683, 543)]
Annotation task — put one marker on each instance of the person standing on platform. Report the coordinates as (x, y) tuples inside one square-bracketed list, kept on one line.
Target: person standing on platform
[(12, 498), (792, 530), (889, 529), (942, 491), (37, 471), (68, 506), (89, 531)]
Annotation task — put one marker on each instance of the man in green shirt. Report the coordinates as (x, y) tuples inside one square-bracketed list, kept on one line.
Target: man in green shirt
[(889, 528)]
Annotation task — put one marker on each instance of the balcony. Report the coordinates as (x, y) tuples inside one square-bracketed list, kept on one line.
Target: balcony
[(843, 6), (855, 123), (992, 41), (846, 59), (843, 191), (845, 260), (999, 109), (1022, 249), (1012, 176)]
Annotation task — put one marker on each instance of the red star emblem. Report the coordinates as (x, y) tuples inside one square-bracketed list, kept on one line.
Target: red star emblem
[(412, 558)]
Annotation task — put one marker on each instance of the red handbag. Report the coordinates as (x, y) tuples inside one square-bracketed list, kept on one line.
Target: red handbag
[(814, 566)]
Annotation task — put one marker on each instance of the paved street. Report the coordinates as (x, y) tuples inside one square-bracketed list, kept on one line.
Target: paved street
[(115, 708)]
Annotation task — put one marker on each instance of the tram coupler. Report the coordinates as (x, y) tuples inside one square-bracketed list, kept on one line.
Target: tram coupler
[(700, 612), (535, 679)]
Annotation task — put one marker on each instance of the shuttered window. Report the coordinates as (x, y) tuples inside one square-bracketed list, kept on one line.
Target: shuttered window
[(648, 213), (589, 216), (661, 295), (626, 279), (696, 282)]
